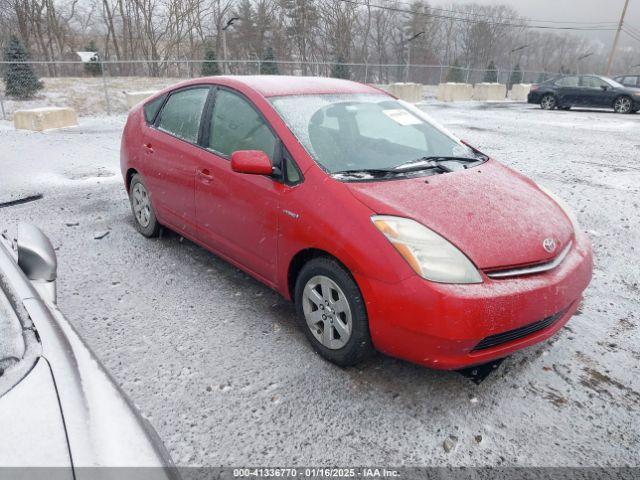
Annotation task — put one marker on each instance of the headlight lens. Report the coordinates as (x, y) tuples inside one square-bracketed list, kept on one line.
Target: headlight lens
[(430, 255), (563, 205)]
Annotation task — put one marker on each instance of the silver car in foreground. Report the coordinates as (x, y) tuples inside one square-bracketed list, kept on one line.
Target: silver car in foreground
[(58, 406)]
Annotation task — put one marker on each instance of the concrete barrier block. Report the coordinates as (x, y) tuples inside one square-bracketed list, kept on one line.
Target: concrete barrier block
[(409, 92), (454, 92), (39, 119), (489, 91), (134, 98), (519, 92)]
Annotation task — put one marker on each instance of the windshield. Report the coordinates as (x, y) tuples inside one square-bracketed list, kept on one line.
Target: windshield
[(612, 82), (353, 132)]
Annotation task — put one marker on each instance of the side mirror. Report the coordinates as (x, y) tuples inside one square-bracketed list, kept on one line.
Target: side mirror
[(254, 162), (37, 259), (604, 88)]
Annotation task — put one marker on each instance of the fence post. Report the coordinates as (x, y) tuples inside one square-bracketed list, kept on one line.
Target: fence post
[(104, 86), (4, 115)]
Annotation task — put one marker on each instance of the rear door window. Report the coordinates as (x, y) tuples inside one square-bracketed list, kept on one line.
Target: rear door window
[(568, 82), (181, 114)]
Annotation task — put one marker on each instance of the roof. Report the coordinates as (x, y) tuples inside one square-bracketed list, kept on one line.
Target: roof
[(278, 85)]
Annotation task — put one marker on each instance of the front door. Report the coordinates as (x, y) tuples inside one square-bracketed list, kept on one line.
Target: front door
[(596, 92), (237, 214)]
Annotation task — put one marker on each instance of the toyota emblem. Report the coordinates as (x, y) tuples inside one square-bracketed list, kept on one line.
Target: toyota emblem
[(549, 244)]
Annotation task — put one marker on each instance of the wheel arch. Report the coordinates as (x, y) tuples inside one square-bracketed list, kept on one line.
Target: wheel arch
[(129, 175), (300, 259)]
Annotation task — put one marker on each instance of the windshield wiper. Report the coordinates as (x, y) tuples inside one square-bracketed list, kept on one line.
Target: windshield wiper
[(385, 172), (432, 162)]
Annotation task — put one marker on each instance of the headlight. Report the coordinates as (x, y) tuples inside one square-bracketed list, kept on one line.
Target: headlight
[(565, 208), (430, 255)]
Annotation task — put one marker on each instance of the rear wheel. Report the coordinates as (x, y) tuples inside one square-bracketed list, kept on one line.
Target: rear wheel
[(548, 102), (623, 104), (332, 313), (142, 209)]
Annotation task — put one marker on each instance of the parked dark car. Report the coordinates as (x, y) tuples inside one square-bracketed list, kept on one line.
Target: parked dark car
[(631, 81), (58, 406), (585, 91)]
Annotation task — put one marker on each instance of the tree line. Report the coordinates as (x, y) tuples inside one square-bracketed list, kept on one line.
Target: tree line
[(322, 36)]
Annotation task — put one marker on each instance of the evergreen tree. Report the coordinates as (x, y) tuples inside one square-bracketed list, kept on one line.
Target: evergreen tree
[(516, 75), (210, 65), (339, 69), (268, 66), (20, 80), (93, 66), (491, 73), (455, 73)]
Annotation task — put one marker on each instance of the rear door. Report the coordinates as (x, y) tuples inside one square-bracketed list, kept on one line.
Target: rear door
[(171, 154), (568, 90), (237, 214)]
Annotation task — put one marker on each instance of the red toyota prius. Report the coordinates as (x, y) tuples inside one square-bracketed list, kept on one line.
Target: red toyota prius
[(386, 231)]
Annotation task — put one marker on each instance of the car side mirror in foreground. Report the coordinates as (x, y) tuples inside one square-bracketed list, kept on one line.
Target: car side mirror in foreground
[(37, 259), (254, 162), (604, 87)]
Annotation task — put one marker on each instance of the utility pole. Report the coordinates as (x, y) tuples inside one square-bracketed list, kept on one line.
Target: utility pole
[(615, 40)]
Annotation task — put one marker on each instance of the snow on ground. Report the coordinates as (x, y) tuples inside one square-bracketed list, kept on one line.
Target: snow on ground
[(215, 359)]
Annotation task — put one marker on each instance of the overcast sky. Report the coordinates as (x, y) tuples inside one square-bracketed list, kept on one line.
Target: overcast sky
[(572, 10)]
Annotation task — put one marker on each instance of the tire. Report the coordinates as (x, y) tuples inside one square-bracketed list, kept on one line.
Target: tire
[(142, 209), (623, 104), (548, 102), (324, 279)]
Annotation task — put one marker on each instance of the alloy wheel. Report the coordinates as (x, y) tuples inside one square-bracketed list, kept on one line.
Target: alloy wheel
[(548, 102), (327, 312), (141, 204), (622, 105)]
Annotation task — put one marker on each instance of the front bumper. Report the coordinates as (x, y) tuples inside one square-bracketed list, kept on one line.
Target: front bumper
[(439, 325)]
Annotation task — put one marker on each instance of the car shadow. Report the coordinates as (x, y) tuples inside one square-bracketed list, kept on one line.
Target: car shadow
[(379, 372)]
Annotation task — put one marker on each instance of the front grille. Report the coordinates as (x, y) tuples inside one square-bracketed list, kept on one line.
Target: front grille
[(517, 333)]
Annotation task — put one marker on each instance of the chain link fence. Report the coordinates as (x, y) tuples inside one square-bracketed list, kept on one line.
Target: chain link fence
[(98, 87)]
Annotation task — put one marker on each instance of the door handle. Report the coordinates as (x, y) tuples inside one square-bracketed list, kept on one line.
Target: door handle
[(205, 175), (147, 147)]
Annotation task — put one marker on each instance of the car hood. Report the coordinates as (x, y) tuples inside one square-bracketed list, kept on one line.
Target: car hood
[(496, 216)]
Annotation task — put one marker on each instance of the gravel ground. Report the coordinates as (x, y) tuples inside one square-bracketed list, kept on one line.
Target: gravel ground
[(215, 361)]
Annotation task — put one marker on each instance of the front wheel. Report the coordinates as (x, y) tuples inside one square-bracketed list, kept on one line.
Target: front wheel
[(142, 209), (332, 313), (548, 102), (623, 105)]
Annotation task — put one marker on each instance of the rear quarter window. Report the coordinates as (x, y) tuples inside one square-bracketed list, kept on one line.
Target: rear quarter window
[(152, 108)]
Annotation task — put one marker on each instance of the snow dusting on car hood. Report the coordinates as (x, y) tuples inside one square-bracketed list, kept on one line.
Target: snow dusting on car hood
[(496, 216)]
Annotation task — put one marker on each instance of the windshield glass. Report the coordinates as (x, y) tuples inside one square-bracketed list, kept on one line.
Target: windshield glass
[(352, 132), (612, 82)]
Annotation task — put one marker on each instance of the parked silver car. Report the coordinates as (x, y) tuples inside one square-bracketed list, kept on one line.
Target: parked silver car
[(58, 406)]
